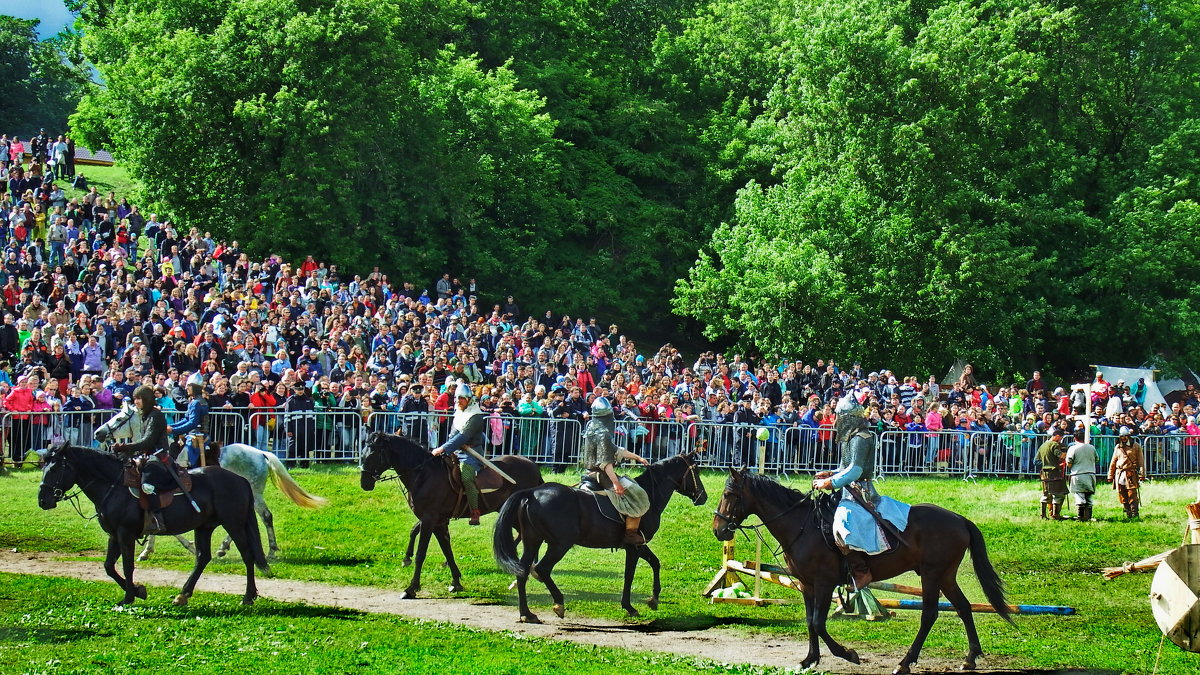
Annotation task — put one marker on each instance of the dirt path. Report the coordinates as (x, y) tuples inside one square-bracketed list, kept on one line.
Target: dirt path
[(719, 644)]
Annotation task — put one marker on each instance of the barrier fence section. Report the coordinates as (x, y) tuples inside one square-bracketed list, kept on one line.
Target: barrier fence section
[(339, 435)]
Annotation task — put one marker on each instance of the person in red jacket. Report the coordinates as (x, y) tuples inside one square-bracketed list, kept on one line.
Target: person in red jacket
[(20, 402)]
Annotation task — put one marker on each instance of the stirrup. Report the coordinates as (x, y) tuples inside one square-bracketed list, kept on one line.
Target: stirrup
[(634, 538), (155, 525)]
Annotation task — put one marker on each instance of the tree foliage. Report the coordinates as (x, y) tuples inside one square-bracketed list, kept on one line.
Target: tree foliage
[(1006, 181), (41, 81)]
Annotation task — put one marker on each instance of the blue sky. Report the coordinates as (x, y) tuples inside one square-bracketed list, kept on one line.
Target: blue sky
[(53, 13)]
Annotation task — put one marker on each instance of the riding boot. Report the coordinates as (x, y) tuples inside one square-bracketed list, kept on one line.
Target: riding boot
[(860, 572), (154, 519), (1056, 511), (1133, 510), (1043, 510), (474, 517), (632, 536), (1085, 513)]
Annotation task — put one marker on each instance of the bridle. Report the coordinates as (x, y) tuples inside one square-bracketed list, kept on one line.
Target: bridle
[(72, 497), (694, 474), (735, 523)]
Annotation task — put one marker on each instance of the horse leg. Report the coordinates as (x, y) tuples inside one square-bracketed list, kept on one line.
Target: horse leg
[(147, 550), (183, 541), (652, 560), (243, 538), (412, 540), (110, 568), (268, 518), (443, 537), (422, 548), (543, 568), (814, 646), (203, 556), (820, 618), (962, 606), (631, 560), (527, 559), (224, 548), (930, 592), (132, 590)]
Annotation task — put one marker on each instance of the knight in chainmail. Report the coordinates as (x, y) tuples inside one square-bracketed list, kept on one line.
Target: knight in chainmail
[(856, 530), (467, 431), (599, 454)]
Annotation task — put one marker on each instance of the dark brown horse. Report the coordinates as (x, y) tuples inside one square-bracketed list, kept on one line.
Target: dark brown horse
[(224, 498), (937, 540), (563, 517), (434, 502)]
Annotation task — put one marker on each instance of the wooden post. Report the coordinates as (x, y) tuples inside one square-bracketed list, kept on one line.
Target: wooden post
[(762, 467)]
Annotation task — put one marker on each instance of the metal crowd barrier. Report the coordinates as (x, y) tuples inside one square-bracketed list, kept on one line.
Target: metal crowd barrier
[(339, 435)]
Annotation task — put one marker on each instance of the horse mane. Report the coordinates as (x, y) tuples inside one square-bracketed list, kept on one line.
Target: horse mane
[(770, 489), (90, 454), (655, 469), (409, 453)]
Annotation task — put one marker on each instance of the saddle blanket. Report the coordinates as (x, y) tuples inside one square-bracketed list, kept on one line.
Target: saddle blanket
[(855, 527)]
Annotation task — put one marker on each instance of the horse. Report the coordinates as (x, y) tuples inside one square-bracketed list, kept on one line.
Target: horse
[(935, 542), (563, 517), (255, 466), (431, 496), (223, 497)]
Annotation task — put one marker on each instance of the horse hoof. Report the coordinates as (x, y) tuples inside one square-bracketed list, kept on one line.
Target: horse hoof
[(968, 665), (408, 594), (852, 656), (809, 662), (631, 612), (407, 562), (560, 611), (529, 618), (143, 557), (139, 591), (221, 554), (180, 600), (455, 587), (902, 669), (652, 603), (249, 600)]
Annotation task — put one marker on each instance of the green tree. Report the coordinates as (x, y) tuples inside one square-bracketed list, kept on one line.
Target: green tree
[(40, 80)]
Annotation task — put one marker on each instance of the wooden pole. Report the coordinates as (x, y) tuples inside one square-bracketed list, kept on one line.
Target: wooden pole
[(762, 468)]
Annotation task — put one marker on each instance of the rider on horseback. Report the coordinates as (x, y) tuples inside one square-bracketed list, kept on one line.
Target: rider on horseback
[(598, 454), (192, 426), (857, 531), (467, 431), (153, 443)]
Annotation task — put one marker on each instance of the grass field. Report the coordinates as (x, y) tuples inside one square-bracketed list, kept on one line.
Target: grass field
[(359, 539)]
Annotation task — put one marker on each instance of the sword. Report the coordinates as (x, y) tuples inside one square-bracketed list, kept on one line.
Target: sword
[(858, 499), (487, 462)]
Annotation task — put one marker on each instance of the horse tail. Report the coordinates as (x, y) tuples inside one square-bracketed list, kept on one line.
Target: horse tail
[(504, 546), (288, 485), (993, 587)]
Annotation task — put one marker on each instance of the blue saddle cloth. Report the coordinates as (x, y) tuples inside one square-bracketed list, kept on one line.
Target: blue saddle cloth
[(854, 526)]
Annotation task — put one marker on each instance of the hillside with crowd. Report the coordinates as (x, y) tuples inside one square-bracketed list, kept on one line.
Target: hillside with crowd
[(99, 297)]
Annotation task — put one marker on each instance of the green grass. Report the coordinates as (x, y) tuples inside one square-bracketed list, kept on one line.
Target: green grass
[(105, 178), (359, 539), (64, 626)]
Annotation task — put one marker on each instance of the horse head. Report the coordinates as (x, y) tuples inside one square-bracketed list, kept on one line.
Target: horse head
[(58, 476), (691, 486), (731, 511), (372, 463)]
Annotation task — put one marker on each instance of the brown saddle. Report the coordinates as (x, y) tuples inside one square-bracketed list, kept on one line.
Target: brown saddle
[(486, 480), (135, 467)]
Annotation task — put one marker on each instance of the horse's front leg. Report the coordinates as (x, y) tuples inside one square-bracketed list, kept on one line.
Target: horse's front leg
[(652, 560), (125, 541), (412, 540), (203, 556), (147, 549), (268, 518), (931, 591), (414, 584), (824, 598), (443, 537), (631, 560)]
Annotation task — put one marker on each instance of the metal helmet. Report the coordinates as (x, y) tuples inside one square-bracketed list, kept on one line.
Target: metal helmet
[(1125, 431), (463, 391), (601, 407)]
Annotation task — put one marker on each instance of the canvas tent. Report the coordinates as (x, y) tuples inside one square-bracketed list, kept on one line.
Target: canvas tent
[(955, 372), (1154, 394)]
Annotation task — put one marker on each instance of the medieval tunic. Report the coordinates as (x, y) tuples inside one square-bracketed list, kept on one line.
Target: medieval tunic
[(1051, 454), (1081, 467), (467, 431), (598, 449), (1125, 471), (853, 525)]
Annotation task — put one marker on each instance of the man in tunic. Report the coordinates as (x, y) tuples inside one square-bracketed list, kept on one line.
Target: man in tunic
[(1054, 485), (467, 431), (1081, 468), (856, 529), (598, 455), (1126, 471)]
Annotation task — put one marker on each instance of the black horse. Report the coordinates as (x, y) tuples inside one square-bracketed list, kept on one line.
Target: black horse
[(936, 541), (434, 501), (225, 499), (563, 517)]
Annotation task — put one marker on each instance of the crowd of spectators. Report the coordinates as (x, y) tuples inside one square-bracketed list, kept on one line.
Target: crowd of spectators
[(98, 298)]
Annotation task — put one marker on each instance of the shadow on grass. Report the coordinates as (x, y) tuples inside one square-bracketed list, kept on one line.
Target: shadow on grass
[(151, 610), (10, 634), (326, 561), (702, 622)]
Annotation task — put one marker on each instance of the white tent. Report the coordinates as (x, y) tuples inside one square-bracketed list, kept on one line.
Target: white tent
[(1130, 375)]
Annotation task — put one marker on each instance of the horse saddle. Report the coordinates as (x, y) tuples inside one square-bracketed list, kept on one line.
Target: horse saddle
[(486, 480), (133, 479), (594, 485)]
